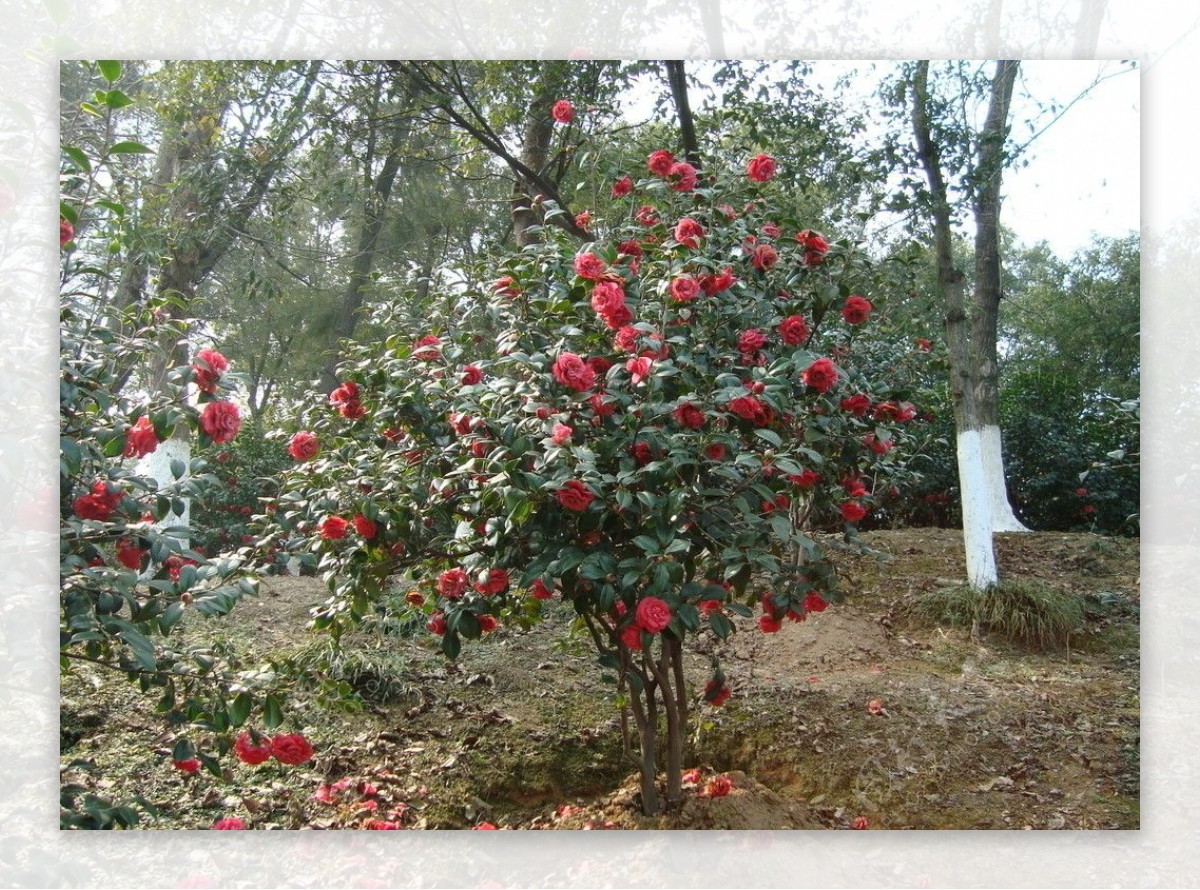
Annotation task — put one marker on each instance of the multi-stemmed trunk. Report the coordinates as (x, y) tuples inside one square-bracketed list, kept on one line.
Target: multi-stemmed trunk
[(656, 683)]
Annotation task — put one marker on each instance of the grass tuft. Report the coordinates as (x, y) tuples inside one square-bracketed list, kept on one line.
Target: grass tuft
[(1028, 613)]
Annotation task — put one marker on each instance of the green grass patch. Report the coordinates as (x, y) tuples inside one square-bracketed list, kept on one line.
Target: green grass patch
[(1028, 613)]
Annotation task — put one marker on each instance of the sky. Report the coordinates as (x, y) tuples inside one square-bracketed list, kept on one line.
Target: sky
[(1080, 176), (1084, 170)]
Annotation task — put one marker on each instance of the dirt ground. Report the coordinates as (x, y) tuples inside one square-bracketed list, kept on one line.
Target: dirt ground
[(860, 713)]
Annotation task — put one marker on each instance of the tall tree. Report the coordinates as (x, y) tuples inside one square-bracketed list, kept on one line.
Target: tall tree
[(971, 325)]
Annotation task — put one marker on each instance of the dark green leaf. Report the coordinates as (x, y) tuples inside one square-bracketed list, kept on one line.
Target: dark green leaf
[(239, 710), (81, 161), (128, 147), (115, 99), (272, 712), (109, 69)]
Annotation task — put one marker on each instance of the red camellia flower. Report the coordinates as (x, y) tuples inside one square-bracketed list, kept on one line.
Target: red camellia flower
[(793, 330), (573, 372), (646, 215), (715, 451), (639, 369), (367, 528), (858, 404), (683, 176), (291, 748), (333, 527), (769, 625), (875, 707), (229, 823), (488, 623), (66, 232), (492, 581), (751, 341), (814, 602), (583, 219), (641, 452), (751, 409), (684, 289), (857, 310), (770, 230), (761, 168), (807, 479), (485, 826), (506, 286), (574, 495), (626, 339), (252, 752), (540, 591), (714, 284), (1081, 492), (688, 232), (879, 446), (304, 445), (471, 375), (860, 823), (764, 257), (622, 187), (207, 368), (821, 375), (221, 421), (563, 111), (660, 162), (601, 405), (652, 614), (141, 439), (191, 766), (716, 693), (453, 583), (688, 415), (815, 246), (130, 554), (588, 265), (383, 825), (561, 434), (427, 348), (718, 786), (924, 345), (437, 624), (631, 248), (631, 636), (608, 297), (853, 511)]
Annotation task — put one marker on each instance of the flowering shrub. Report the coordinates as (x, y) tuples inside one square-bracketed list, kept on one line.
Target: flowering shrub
[(127, 571), (648, 451)]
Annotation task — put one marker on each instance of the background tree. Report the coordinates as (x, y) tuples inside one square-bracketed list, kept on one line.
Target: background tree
[(971, 328)]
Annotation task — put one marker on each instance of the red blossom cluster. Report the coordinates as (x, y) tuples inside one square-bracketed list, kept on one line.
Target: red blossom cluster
[(254, 748), (141, 439), (347, 398), (100, 502)]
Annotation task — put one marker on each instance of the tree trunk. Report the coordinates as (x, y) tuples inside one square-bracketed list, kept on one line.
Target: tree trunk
[(986, 298), (535, 150), (968, 419), (677, 78), (378, 191)]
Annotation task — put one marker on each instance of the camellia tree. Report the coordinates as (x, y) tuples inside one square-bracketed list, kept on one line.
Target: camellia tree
[(127, 572), (641, 426)]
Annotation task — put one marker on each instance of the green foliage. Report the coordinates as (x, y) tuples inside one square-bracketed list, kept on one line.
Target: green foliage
[(246, 476), (1029, 613), (127, 572)]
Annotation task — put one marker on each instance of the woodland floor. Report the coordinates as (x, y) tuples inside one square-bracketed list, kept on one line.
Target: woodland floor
[(974, 734)]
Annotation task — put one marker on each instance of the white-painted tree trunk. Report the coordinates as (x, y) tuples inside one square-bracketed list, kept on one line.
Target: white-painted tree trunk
[(157, 465), (1003, 517), (976, 511)]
